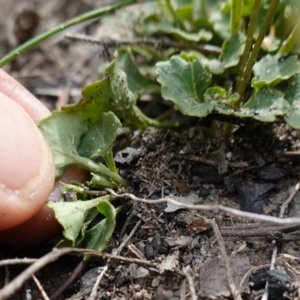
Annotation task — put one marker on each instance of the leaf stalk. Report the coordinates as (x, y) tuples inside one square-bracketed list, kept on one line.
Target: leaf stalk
[(253, 56), (235, 16), (248, 45)]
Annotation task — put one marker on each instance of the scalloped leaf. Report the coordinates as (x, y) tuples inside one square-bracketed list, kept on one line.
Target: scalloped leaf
[(185, 83), (292, 95), (271, 70), (98, 141), (63, 132), (232, 49), (265, 105)]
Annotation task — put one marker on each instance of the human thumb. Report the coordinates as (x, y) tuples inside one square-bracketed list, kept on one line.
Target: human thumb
[(26, 165)]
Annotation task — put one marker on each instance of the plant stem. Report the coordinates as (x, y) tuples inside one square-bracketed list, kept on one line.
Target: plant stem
[(99, 168), (173, 13), (109, 159), (77, 20), (248, 45), (235, 16), (293, 39), (253, 56)]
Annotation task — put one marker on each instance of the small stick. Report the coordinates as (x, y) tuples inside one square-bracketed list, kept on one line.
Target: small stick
[(161, 43), (217, 208), (234, 291), (133, 250), (93, 295), (186, 271), (15, 261), (120, 248), (38, 284), (17, 282)]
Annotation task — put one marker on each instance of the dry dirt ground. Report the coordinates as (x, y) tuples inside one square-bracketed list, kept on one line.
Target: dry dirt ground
[(162, 251)]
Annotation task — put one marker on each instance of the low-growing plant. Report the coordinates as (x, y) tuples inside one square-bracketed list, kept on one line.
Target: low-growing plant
[(233, 58)]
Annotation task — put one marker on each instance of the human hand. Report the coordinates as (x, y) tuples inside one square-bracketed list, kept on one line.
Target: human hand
[(26, 168)]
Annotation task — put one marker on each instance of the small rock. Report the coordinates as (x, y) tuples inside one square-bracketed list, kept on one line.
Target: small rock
[(270, 173), (141, 272), (128, 156), (149, 251), (155, 282), (180, 242), (156, 243)]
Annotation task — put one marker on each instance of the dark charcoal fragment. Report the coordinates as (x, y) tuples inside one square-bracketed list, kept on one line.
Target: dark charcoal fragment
[(270, 173), (206, 174), (257, 280), (156, 243), (149, 251), (254, 195), (128, 156), (203, 192), (279, 282)]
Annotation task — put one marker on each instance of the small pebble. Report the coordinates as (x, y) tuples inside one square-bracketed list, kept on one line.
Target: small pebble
[(141, 272), (155, 282)]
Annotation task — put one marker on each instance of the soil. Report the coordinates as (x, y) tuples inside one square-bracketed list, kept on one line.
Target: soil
[(255, 170)]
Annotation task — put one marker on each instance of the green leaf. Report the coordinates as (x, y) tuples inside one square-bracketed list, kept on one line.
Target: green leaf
[(201, 36), (223, 102), (232, 49), (98, 141), (292, 95), (184, 83), (71, 215), (100, 182), (271, 70), (138, 84), (63, 132), (114, 94), (265, 105), (215, 66), (98, 236)]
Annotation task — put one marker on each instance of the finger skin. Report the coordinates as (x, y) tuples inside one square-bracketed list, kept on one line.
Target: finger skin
[(43, 225), (26, 164), (14, 90), (26, 169)]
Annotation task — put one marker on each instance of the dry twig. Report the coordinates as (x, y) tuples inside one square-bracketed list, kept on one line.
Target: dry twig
[(93, 295), (120, 248), (14, 261), (40, 287), (186, 271), (234, 291), (216, 208), (161, 43), (17, 282)]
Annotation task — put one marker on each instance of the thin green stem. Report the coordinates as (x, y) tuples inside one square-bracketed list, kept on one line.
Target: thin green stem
[(173, 13), (248, 45), (253, 56), (293, 39), (235, 16), (99, 168), (44, 36), (109, 159)]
